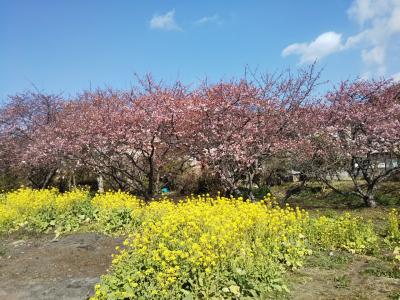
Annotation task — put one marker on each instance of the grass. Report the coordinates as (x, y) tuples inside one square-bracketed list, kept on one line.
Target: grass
[(382, 268), (394, 295), (341, 275), (323, 201), (315, 196), (329, 260), (342, 281), (344, 276)]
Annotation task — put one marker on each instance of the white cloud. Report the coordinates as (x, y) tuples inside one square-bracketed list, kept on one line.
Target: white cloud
[(324, 45), (164, 22), (380, 25), (374, 56), (394, 21), (365, 10), (379, 22), (209, 19)]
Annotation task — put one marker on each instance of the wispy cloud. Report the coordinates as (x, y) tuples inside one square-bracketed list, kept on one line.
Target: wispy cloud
[(379, 22), (209, 19), (165, 22), (324, 45), (364, 10)]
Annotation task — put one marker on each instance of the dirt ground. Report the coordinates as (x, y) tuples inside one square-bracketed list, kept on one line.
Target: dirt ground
[(63, 269), (350, 281)]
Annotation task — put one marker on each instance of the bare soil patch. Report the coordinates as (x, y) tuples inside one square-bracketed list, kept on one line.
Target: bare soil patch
[(348, 282), (44, 268)]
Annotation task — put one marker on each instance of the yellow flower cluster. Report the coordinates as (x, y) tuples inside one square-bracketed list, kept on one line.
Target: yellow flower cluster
[(118, 212), (18, 206), (115, 200), (178, 244), (66, 200), (393, 233), (346, 232)]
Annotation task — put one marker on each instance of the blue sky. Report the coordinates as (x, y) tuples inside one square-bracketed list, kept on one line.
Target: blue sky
[(68, 46)]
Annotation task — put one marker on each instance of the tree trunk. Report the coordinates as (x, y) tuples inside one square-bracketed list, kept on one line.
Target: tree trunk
[(292, 191), (370, 201), (100, 184), (156, 183), (150, 184), (73, 181), (250, 177), (69, 183), (48, 178), (150, 188)]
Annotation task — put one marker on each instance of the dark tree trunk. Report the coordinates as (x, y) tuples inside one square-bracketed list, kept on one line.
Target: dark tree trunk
[(292, 191), (150, 178)]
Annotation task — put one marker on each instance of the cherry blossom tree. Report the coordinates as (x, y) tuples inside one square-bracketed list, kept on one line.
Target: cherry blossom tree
[(131, 139), (21, 119), (359, 134), (219, 117), (240, 124)]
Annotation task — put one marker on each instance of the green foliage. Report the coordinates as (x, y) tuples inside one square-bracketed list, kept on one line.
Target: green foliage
[(258, 193), (394, 295), (328, 260), (387, 200), (342, 281), (346, 232), (78, 214), (261, 192), (393, 229), (116, 220), (381, 268)]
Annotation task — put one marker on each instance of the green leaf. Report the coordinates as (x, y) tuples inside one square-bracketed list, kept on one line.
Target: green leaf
[(201, 283), (240, 271), (188, 297)]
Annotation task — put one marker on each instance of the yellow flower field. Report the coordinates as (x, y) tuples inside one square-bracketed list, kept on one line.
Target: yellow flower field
[(201, 247)]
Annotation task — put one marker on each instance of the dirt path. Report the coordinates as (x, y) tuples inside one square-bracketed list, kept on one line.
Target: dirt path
[(41, 268)]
